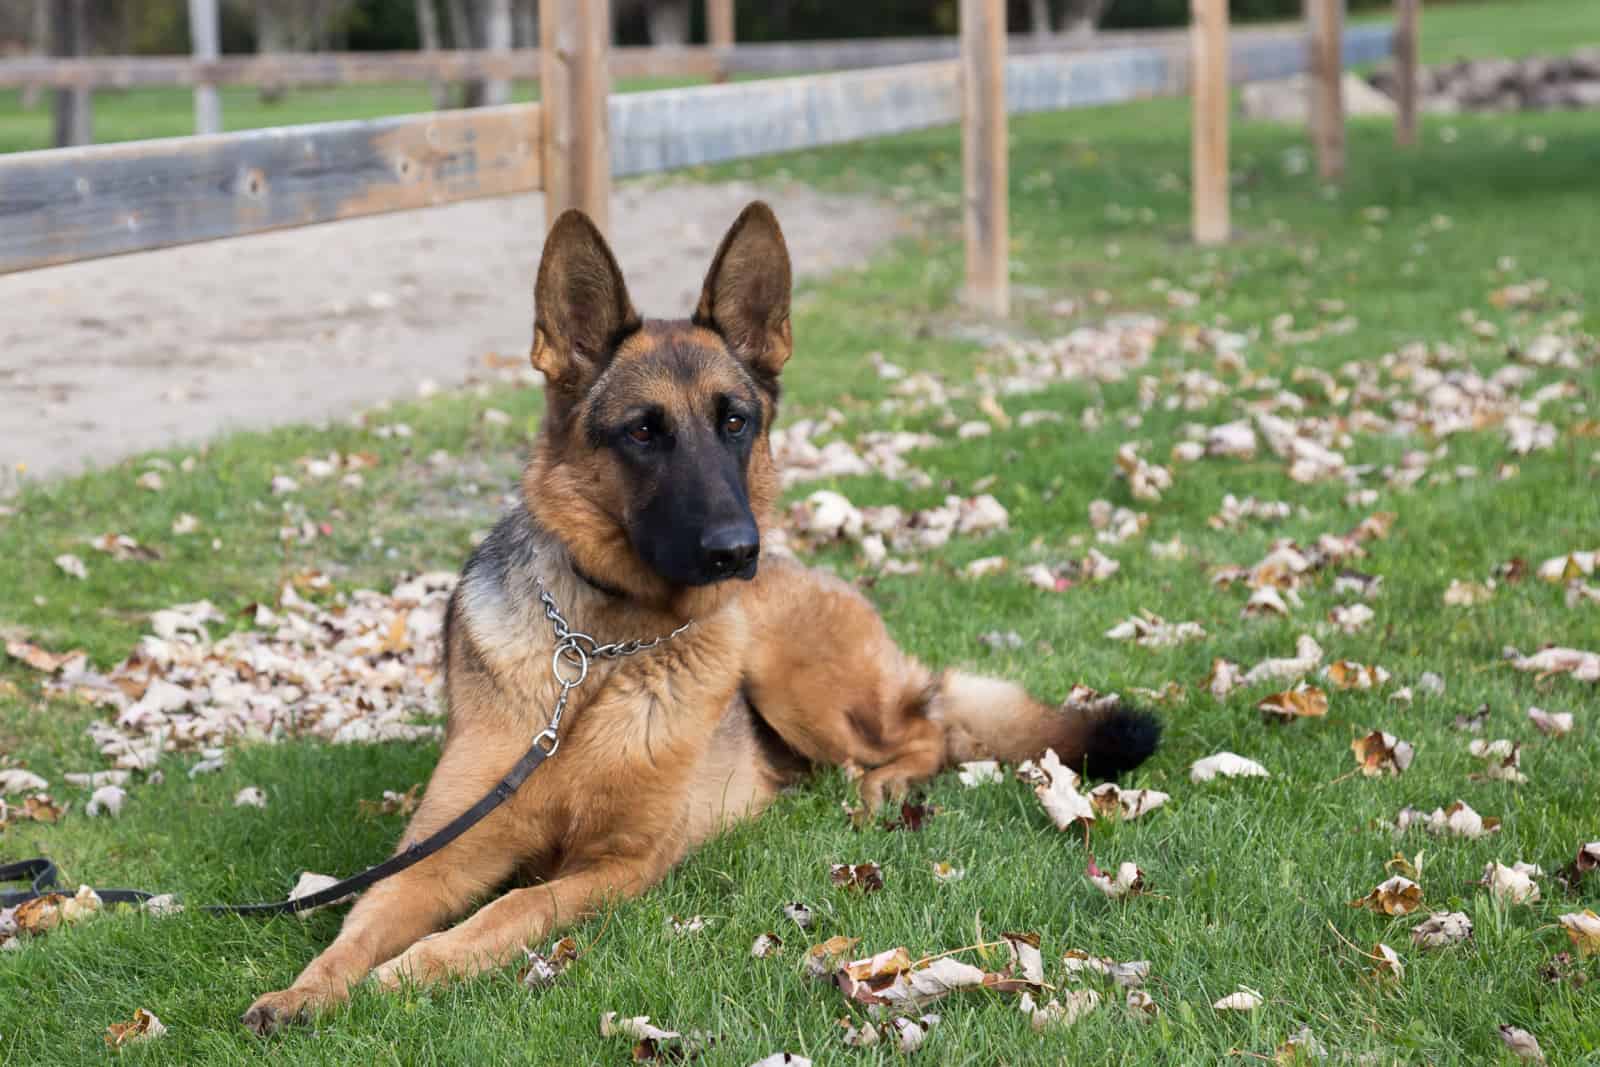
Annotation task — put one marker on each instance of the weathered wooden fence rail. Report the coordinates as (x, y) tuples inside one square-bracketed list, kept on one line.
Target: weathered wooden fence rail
[(70, 204)]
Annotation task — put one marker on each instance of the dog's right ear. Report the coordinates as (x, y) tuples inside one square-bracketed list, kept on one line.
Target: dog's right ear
[(581, 306)]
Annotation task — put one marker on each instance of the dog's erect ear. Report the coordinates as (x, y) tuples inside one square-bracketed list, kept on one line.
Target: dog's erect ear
[(581, 306), (746, 294)]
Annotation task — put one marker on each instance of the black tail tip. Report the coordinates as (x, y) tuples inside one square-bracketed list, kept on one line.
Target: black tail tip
[(1119, 740)]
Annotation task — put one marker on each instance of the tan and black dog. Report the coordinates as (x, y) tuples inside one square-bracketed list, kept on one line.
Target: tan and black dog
[(645, 499)]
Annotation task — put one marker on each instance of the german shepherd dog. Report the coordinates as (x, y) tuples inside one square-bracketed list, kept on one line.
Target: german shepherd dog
[(645, 499)]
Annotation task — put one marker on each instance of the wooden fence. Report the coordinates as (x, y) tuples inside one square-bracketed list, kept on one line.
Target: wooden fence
[(65, 205)]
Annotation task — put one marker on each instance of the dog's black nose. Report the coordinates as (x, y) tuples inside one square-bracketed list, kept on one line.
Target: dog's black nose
[(730, 549)]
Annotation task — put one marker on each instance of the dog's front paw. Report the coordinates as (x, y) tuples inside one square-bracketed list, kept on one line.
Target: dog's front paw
[(274, 1010)]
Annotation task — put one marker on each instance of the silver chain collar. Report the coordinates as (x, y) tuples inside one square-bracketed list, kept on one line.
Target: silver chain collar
[(570, 660)]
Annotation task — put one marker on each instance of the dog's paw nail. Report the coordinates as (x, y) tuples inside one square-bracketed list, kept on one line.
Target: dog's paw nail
[(262, 1019)]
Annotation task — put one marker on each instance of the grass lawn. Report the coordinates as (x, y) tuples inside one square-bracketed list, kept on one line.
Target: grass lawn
[(1250, 879)]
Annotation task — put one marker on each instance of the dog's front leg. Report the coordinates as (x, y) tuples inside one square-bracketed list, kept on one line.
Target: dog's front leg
[(500, 929), (413, 903)]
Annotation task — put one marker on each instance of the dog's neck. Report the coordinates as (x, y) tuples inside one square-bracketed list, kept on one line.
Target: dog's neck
[(596, 584)]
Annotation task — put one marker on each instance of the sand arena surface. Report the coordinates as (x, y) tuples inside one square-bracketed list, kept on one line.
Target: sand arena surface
[(106, 359)]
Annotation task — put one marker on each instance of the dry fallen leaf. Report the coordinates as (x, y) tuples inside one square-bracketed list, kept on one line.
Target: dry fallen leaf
[(798, 913), (1387, 964), (144, 1026), (1442, 928), (979, 772), (1467, 594), (1522, 1044), (1382, 753), (1111, 802), (1347, 675), (1225, 765), (1583, 927), (42, 660), (1307, 655), (1152, 631), (251, 796), (1553, 723), (782, 1059), (1058, 793), (822, 960), (1129, 880), (1303, 701), (866, 877), (16, 780), (392, 803), (1583, 666), (107, 800), (1351, 618), (692, 925), (1244, 1000), (1459, 820), (541, 970), (1397, 896), (1079, 963), (309, 883), (945, 872), (1502, 759), (1074, 1005), (1224, 678), (767, 944), (1298, 1048), (1514, 884), (72, 566)]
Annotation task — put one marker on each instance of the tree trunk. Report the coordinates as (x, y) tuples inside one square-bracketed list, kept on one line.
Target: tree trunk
[(668, 21), (74, 111), (1082, 17), (428, 33), (464, 34), (39, 45), (525, 23), (497, 38), (1039, 17), (272, 36)]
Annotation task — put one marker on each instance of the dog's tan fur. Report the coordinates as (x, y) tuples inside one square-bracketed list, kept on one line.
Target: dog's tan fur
[(662, 749)]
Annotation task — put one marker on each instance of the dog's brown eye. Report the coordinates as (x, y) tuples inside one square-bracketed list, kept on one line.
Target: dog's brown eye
[(641, 434), (734, 425)]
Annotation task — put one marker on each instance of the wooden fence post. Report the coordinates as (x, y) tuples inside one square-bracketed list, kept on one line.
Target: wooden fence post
[(719, 32), (1327, 92), (74, 108), (574, 82), (1406, 38), (497, 38), (984, 170), (1209, 137), (205, 43)]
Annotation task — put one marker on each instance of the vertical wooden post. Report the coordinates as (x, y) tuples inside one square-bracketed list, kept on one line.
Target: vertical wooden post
[(205, 43), (719, 32), (574, 82), (984, 171), (1327, 92), (74, 108), (1408, 14), (1209, 137), (497, 37)]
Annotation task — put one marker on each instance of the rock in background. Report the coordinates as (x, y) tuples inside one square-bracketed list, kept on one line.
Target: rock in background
[(1537, 83)]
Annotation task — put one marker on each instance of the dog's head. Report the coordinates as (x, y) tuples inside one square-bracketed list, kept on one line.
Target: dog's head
[(653, 465)]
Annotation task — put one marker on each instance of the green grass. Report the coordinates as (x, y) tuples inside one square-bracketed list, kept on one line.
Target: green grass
[(1251, 878)]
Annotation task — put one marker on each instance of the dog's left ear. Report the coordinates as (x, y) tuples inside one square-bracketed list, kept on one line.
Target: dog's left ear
[(746, 294)]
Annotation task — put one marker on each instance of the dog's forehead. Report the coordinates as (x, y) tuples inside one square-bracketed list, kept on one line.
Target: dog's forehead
[(670, 364)]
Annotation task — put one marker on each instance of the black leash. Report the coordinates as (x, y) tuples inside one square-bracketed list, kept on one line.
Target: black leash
[(42, 876)]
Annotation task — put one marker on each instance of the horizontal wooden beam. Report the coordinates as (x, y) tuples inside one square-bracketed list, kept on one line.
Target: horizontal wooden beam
[(82, 203), (690, 61), (714, 123), (333, 68)]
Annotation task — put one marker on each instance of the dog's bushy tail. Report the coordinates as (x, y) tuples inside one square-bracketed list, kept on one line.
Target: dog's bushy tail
[(986, 718)]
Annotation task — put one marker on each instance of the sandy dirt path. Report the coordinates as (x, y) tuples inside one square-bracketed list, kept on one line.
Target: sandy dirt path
[(102, 360)]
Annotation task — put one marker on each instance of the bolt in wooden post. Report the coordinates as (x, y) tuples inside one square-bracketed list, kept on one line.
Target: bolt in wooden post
[(574, 82), (983, 154), (205, 44), (1209, 137), (1408, 14), (719, 33), (1327, 92)]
